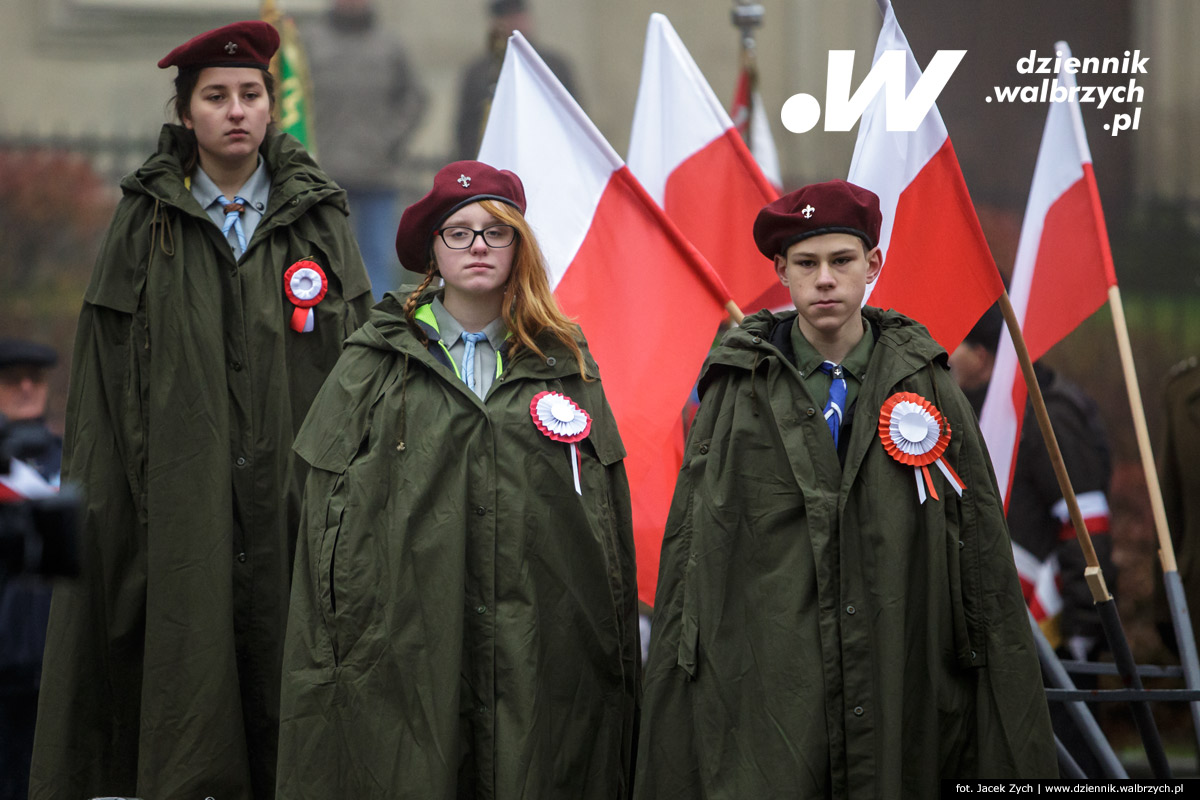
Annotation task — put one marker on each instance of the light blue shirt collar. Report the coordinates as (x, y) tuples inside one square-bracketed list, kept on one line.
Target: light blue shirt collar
[(256, 191)]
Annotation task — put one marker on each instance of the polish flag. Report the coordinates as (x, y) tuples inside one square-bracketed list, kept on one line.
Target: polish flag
[(750, 119), (648, 301), (1040, 586), (937, 266), (686, 152), (23, 482), (1062, 273)]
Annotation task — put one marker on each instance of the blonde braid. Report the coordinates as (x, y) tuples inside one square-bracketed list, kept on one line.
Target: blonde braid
[(410, 307)]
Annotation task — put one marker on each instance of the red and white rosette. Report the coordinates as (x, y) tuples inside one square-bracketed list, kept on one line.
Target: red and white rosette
[(305, 285), (914, 433), (561, 418)]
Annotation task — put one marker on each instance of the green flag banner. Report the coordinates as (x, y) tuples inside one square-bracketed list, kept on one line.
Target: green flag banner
[(290, 68)]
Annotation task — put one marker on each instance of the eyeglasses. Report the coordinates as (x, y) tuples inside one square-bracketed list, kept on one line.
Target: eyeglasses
[(457, 238)]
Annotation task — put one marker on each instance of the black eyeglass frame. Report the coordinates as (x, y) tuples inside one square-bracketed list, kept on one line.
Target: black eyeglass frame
[(441, 234)]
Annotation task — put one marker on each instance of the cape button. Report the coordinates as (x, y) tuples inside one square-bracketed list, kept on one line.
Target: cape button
[(810, 412), (551, 361)]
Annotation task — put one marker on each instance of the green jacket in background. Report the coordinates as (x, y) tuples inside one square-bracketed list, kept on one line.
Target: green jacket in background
[(187, 387), (817, 631), (463, 623)]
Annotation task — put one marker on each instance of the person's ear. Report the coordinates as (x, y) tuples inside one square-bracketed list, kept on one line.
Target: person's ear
[(781, 269), (874, 264)]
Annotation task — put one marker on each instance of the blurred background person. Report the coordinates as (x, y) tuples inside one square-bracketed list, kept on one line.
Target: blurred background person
[(1037, 513), (367, 105), (24, 391), (24, 601), (478, 82)]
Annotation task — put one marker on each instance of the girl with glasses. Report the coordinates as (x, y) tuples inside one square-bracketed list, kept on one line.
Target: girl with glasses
[(463, 619)]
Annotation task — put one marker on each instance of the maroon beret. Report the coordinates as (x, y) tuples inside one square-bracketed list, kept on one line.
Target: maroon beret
[(455, 185), (830, 207), (242, 44)]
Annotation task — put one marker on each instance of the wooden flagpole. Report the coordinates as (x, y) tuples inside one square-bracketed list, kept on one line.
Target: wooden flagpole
[(1172, 582), (735, 313), (1105, 604), (1167, 551), (1093, 573)]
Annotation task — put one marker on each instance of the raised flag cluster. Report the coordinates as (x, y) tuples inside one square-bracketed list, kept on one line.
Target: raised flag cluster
[(648, 257)]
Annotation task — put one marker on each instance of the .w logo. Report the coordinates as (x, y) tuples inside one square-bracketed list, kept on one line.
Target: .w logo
[(801, 112)]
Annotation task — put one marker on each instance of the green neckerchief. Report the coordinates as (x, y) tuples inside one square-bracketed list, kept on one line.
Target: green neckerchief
[(854, 365)]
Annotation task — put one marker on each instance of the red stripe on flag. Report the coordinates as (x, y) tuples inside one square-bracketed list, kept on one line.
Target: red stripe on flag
[(650, 309), (1097, 213), (948, 292), (1027, 588), (714, 196), (1073, 270)]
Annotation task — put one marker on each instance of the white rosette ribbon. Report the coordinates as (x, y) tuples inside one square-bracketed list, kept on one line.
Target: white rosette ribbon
[(561, 419), (914, 433)]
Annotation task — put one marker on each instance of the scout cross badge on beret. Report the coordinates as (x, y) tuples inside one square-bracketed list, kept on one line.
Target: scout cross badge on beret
[(242, 44), (816, 209)]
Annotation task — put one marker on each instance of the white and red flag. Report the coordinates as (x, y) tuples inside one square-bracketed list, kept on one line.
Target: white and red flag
[(23, 482), (937, 267), (1062, 273), (750, 120), (685, 150), (648, 301)]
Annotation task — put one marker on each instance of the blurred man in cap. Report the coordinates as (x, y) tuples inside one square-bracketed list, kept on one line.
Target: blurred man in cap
[(478, 82), (24, 602), (24, 367), (369, 103)]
